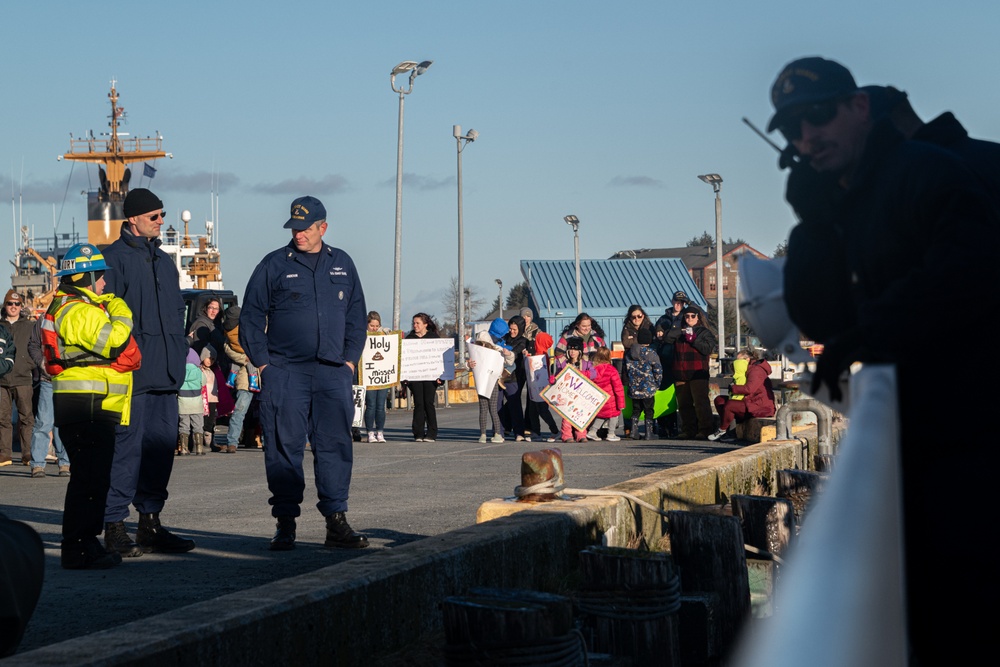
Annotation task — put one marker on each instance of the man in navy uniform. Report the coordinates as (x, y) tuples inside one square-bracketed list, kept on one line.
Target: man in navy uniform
[(303, 326)]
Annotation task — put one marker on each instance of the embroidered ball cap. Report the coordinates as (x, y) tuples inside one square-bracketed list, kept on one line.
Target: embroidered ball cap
[(12, 295), (808, 81), (306, 211), (680, 296), (139, 202)]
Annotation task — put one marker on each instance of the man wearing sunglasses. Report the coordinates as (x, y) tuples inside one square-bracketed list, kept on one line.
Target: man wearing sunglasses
[(146, 278), (15, 386), (903, 224)]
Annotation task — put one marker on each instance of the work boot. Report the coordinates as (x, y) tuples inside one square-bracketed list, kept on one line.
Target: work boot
[(199, 444), (650, 430), (151, 536), (87, 554), (339, 533), (182, 445), (117, 540), (284, 538), (635, 429)]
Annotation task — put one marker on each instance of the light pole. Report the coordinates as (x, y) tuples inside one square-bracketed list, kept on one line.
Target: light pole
[(499, 298), (415, 69), (716, 182), (456, 131), (574, 222)]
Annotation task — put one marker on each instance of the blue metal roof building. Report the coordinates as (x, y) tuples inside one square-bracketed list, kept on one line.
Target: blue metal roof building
[(609, 287)]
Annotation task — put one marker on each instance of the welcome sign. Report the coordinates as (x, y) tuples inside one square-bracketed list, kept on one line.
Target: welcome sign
[(575, 397)]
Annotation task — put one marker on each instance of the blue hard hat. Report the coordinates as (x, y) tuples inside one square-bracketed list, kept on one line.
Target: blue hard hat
[(81, 258)]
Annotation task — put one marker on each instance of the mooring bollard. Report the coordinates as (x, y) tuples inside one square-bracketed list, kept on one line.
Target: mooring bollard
[(541, 476)]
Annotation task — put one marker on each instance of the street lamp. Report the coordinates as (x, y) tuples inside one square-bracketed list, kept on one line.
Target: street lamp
[(415, 69), (716, 182), (461, 142), (574, 222), (499, 298)]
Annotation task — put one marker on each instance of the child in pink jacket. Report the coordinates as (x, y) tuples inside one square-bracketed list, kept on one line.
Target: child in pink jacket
[(610, 382)]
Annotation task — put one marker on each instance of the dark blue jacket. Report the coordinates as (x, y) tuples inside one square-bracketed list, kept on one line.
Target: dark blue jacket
[(293, 317), (146, 278)]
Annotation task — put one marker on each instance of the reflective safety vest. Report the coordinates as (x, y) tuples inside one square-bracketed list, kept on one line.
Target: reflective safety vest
[(90, 353)]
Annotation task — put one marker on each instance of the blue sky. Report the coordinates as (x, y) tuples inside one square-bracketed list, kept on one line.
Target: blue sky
[(605, 110)]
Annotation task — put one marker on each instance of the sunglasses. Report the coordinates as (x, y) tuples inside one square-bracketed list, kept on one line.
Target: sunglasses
[(817, 115), (13, 303), (690, 316), (637, 316), (157, 216)]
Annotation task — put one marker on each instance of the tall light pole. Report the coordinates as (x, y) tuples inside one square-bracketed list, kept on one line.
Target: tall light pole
[(415, 69), (716, 182), (460, 143), (499, 298), (574, 222)]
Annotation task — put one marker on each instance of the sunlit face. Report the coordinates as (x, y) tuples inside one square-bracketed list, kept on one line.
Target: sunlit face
[(374, 325), (212, 309), (12, 308), (574, 354), (514, 330), (147, 225), (309, 239), (419, 326), (636, 317), (585, 326), (691, 319), (527, 320), (678, 306)]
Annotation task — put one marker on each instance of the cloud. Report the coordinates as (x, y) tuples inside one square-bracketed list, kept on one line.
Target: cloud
[(640, 181), (418, 182), (330, 184)]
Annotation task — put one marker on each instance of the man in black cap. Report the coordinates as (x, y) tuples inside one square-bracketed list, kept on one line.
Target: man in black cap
[(916, 227), (303, 325), (147, 280)]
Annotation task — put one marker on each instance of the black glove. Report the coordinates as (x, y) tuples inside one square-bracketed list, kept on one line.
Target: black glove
[(815, 197), (837, 357)]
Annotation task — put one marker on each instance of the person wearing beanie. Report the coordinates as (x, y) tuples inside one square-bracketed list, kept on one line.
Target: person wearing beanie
[(644, 372), (191, 408), (146, 278), (15, 386), (220, 402), (537, 410), (530, 328)]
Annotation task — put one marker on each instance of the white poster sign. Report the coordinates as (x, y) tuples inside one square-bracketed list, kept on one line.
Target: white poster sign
[(488, 368), (575, 397), (359, 406), (537, 369), (428, 359), (380, 360)]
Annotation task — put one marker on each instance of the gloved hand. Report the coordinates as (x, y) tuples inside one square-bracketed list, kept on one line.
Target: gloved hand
[(813, 196), (838, 355), (117, 307)]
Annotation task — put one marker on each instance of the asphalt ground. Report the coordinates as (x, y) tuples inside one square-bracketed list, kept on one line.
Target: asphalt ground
[(402, 491)]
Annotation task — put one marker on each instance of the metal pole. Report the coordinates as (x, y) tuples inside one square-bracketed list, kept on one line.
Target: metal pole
[(718, 270), (576, 254), (500, 298), (457, 131), (739, 329), (399, 218)]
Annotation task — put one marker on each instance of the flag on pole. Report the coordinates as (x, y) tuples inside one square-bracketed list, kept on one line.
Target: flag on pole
[(147, 171)]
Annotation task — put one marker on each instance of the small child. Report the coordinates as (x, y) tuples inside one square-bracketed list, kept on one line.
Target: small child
[(645, 372), (489, 407), (246, 382), (538, 411), (573, 356), (191, 408), (610, 382), (213, 380)]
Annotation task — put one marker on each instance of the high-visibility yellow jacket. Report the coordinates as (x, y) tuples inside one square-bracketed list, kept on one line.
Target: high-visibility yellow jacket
[(88, 345)]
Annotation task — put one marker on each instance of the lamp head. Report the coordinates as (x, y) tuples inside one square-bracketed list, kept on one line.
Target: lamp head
[(472, 136)]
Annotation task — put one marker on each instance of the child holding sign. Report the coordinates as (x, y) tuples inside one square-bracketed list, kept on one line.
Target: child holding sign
[(574, 357)]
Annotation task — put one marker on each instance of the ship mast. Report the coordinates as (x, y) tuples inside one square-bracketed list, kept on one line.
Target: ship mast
[(105, 213)]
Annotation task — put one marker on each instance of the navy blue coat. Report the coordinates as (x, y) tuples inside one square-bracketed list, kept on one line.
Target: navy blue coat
[(146, 278), (293, 317)]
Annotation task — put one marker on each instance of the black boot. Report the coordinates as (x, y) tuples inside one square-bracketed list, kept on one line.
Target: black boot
[(87, 554), (650, 430), (339, 533), (151, 536), (635, 429), (116, 540), (284, 538)]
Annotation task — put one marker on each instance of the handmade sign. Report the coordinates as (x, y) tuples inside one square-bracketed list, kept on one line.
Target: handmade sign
[(537, 369), (488, 368), (428, 359), (575, 397), (358, 393), (379, 367)]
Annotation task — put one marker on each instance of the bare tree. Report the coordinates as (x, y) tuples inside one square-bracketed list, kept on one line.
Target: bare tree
[(473, 302)]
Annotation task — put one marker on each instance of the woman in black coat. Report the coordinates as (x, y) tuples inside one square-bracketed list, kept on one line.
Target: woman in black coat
[(425, 427)]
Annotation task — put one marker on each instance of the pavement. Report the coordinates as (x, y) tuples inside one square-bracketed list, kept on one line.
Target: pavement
[(402, 491)]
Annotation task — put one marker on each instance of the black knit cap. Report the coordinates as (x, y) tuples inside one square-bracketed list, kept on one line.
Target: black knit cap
[(231, 319), (574, 343), (141, 201), (644, 336)]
